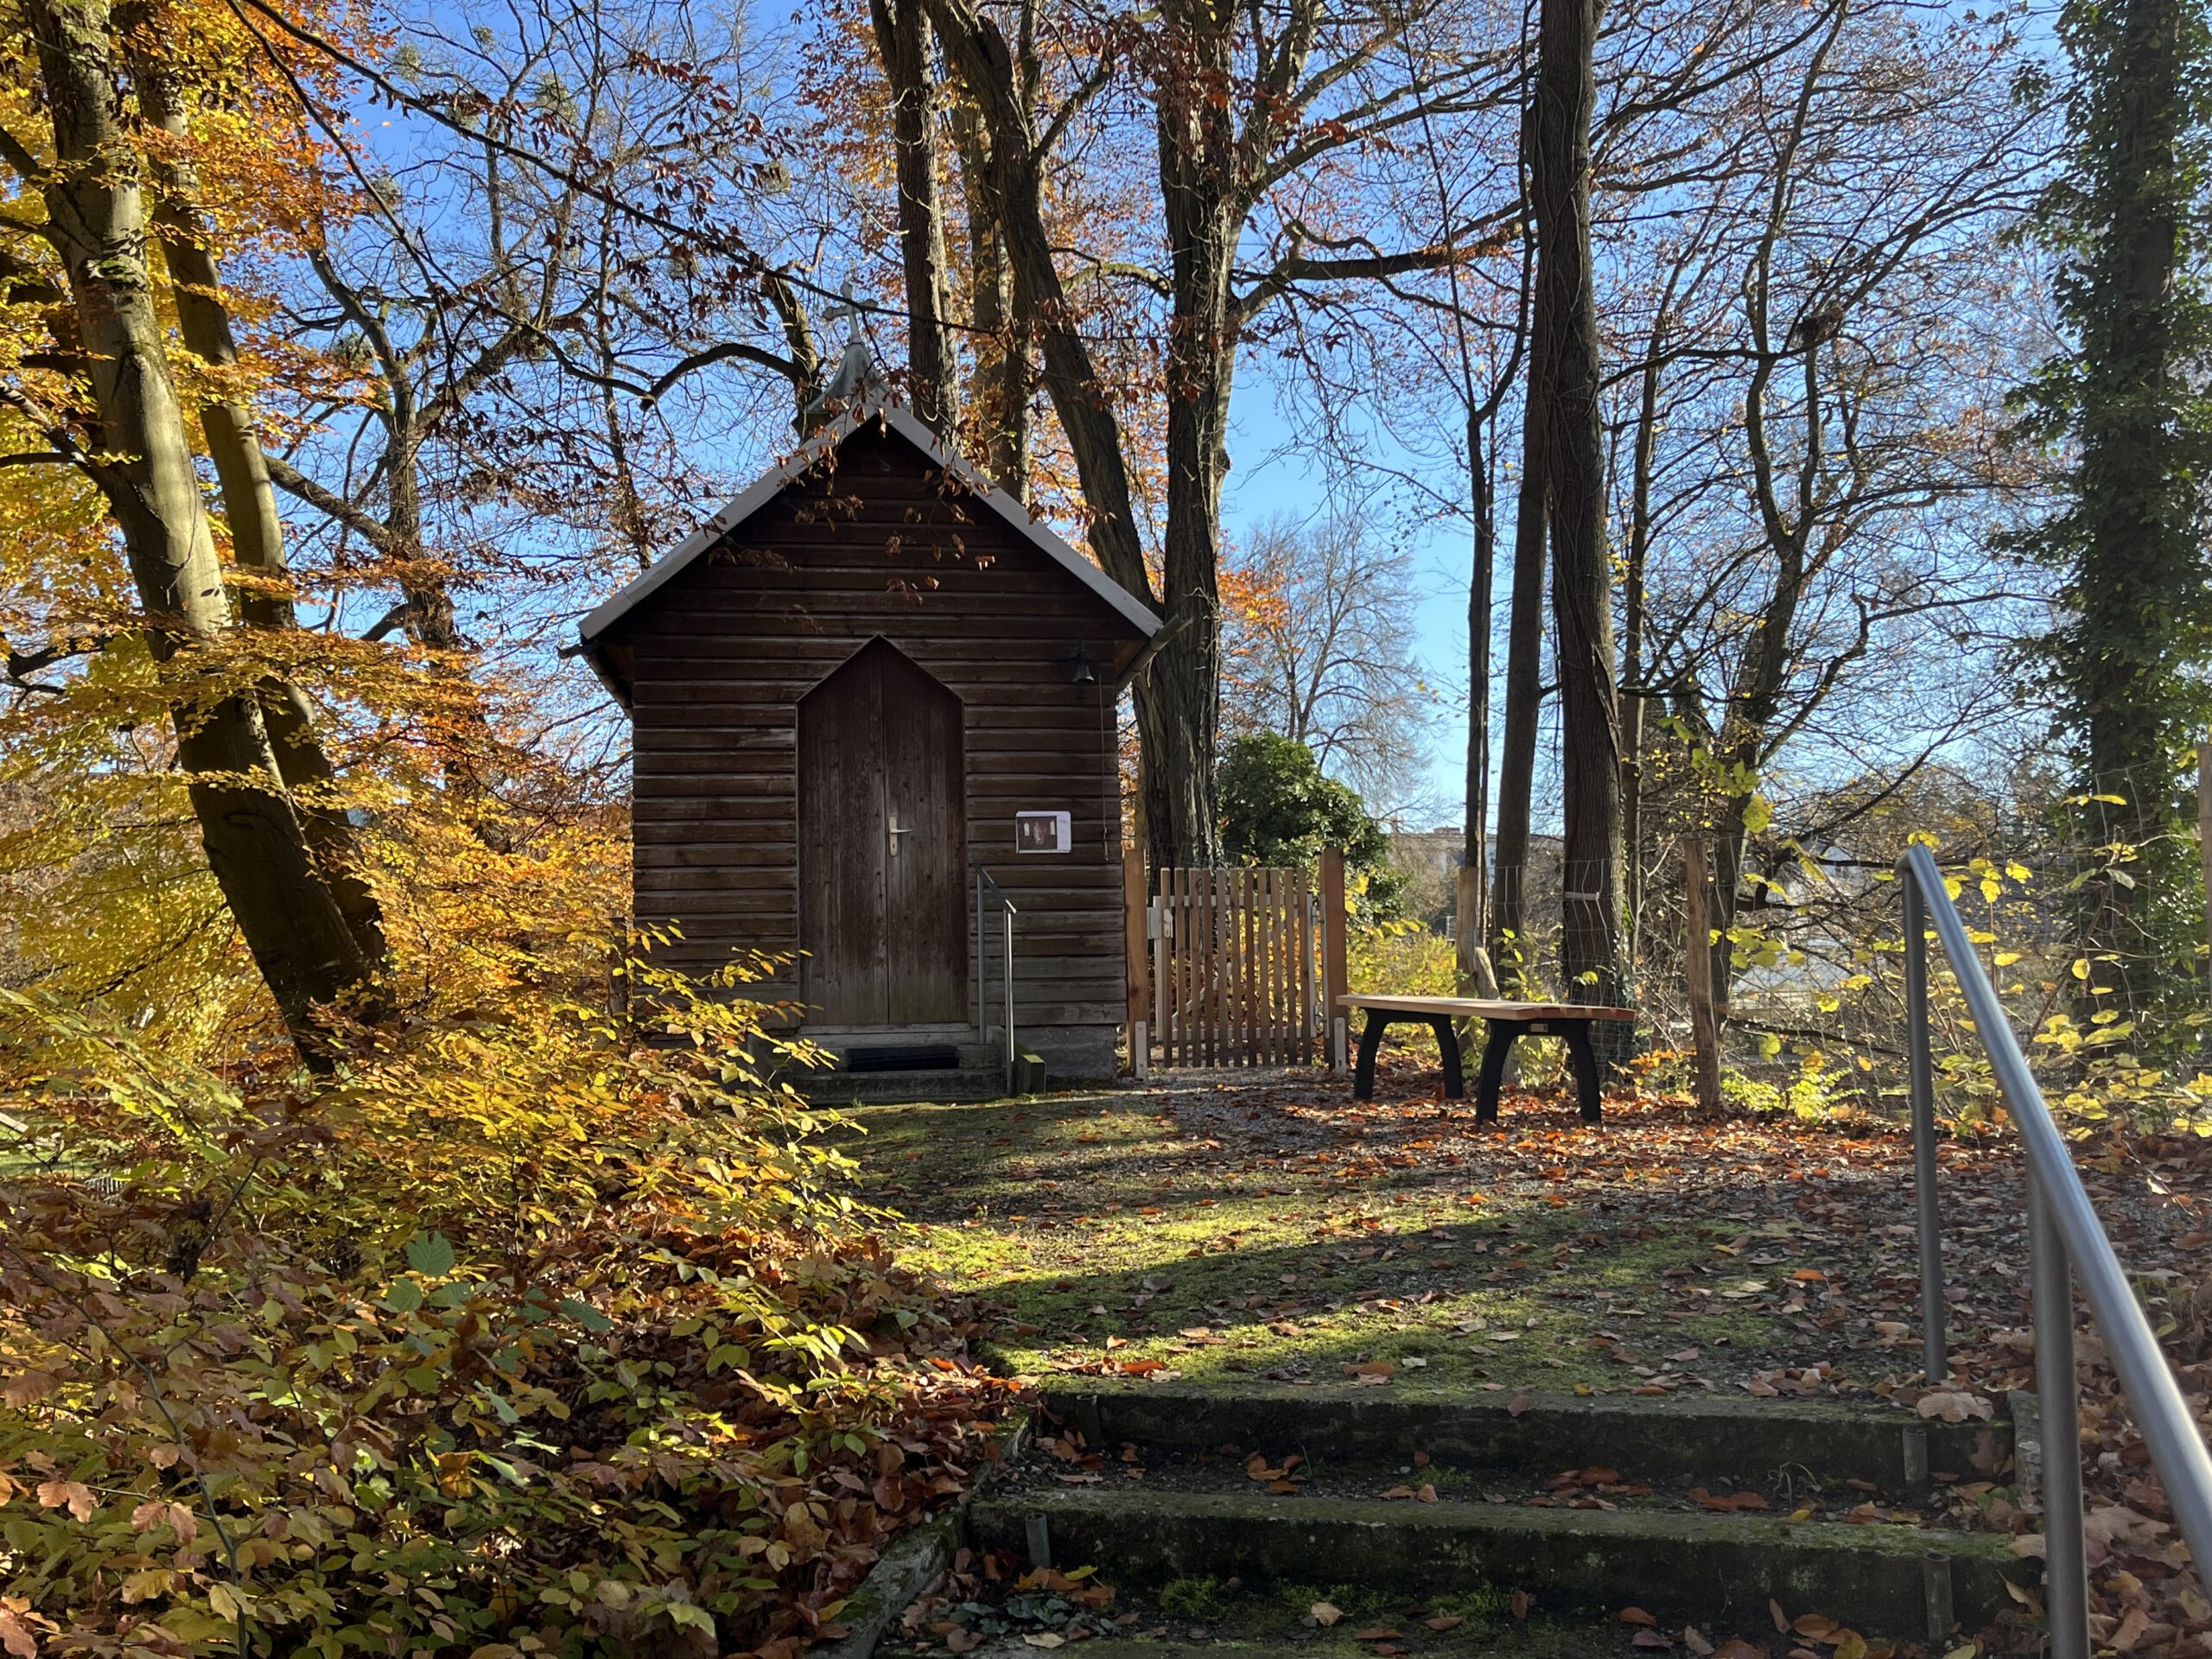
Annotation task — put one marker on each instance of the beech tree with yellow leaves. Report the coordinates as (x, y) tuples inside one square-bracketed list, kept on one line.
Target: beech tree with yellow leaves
[(99, 396)]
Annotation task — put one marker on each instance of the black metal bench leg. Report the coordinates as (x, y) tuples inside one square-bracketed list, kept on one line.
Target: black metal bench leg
[(1495, 1047), (1577, 1033), (1371, 1040), (1447, 1040)]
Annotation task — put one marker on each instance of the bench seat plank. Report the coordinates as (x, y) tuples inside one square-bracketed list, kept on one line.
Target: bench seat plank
[(1475, 1007)]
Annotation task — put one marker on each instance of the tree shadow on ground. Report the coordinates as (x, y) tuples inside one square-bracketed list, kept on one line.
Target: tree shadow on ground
[(1256, 1224)]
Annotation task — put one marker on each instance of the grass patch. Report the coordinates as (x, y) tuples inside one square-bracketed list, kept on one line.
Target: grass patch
[(1279, 1229)]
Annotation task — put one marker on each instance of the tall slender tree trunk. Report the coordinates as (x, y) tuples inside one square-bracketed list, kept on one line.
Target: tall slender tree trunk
[(1481, 576), (993, 79), (255, 844), (1524, 669), (249, 505), (903, 44), (998, 401), (1591, 960), (1197, 170), (1634, 700)]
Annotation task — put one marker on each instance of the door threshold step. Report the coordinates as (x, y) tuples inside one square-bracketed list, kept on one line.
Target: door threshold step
[(936, 1085), (1652, 1436), (1888, 1581)]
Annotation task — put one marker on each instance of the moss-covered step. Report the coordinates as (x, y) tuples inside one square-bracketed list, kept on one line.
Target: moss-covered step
[(1514, 1639), (1892, 1582), (1645, 1437)]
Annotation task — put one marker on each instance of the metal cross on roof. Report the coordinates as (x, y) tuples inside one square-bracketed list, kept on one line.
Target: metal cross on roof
[(855, 377), (847, 309)]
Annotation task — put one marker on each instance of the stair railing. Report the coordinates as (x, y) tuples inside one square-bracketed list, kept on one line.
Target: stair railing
[(991, 898), (2066, 1241)]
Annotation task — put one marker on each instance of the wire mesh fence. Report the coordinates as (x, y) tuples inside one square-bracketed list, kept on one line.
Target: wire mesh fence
[(2089, 905)]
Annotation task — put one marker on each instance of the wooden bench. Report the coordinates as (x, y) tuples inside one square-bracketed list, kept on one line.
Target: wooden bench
[(1507, 1021)]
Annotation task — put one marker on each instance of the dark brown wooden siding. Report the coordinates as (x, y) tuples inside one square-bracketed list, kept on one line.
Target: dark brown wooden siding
[(721, 656)]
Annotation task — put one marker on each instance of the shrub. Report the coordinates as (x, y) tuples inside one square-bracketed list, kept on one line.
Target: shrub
[(1277, 808), (529, 1331)]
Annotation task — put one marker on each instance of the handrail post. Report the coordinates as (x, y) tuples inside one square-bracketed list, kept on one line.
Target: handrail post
[(2069, 1244), (1934, 1358), (982, 1018), (1006, 919), (2065, 1558)]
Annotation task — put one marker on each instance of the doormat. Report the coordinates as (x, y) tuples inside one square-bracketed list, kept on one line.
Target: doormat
[(904, 1057)]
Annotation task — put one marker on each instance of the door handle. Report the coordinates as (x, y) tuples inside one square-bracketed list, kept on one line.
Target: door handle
[(895, 833)]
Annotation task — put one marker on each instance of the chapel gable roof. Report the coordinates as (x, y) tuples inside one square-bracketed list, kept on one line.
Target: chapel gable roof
[(888, 416)]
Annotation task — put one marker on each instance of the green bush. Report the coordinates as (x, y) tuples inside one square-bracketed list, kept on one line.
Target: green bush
[(1278, 808), (527, 1333)]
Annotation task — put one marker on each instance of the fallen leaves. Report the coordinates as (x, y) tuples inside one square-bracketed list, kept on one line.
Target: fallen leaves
[(1808, 1225), (1724, 1502), (1953, 1406)]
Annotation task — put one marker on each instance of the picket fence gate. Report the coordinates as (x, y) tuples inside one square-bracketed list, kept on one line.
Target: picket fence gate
[(1237, 966)]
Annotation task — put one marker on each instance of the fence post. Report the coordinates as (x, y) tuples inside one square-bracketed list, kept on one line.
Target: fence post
[(1138, 946), (1697, 974), (1336, 978), (2204, 826), (1478, 974)]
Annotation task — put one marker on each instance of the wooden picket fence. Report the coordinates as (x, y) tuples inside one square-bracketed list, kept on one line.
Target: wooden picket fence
[(1232, 967)]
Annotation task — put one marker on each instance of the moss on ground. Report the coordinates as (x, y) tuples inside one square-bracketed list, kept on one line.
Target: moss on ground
[(1274, 1227)]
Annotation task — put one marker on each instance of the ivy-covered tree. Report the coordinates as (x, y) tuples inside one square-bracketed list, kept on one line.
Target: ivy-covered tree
[(2128, 401)]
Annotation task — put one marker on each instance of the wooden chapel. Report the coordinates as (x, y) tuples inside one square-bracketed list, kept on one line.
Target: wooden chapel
[(865, 682)]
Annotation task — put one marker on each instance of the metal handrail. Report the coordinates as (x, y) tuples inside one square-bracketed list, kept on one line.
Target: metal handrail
[(988, 893), (2065, 1240)]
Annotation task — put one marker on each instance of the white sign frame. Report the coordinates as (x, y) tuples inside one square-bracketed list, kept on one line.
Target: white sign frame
[(1043, 830)]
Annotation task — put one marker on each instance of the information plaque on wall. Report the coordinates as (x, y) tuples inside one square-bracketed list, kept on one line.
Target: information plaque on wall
[(1042, 832)]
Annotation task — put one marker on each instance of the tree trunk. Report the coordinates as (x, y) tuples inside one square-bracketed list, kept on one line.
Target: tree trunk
[(1524, 658), (998, 399), (1634, 704), (1473, 920), (250, 504), (1742, 746), (1198, 171), (1592, 961), (2135, 542), (1697, 975), (902, 41), (992, 79), (255, 844), (1177, 700)]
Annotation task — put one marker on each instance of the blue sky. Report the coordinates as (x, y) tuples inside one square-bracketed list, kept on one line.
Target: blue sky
[(1269, 476)]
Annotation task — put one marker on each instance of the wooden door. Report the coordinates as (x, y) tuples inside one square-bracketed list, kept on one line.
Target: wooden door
[(883, 837)]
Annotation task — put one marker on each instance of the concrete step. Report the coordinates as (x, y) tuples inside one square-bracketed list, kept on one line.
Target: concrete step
[(1646, 1437), (1892, 1582), (986, 1081)]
